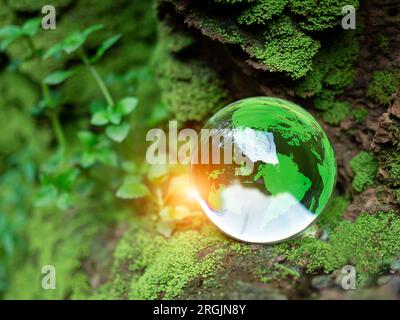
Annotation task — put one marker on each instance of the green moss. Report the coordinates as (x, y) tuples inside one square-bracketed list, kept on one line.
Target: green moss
[(190, 89), (393, 129), (287, 45), (364, 166), (180, 254), (383, 42), (332, 69), (396, 193), (174, 41), (377, 233), (321, 15), (390, 163), (277, 272), (333, 213), (359, 114), (286, 49), (239, 248), (383, 85), (261, 11), (309, 253), (58, 241), (336, 113), (224, 30), (148, 266)]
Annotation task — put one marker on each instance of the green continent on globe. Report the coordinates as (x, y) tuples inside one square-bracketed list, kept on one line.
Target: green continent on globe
[(296, 126), (284, 177), (283, 171)]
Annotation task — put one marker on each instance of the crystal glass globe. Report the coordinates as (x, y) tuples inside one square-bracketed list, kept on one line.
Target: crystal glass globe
[(264, 169)]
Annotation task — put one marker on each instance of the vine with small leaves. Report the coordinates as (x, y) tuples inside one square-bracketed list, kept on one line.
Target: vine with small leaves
[(61, 173)]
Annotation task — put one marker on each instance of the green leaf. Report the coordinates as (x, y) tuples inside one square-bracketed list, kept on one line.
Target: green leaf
[(73, 42), (114, 115), (108, 157), (129, 166), (31, 27), (96, 106), (54, 50), (100, 118), (87, 159), (87, 138), (8, 244), (107, 44), (66, 179), (167, 214), (118, 133), (158, 114), (64, 201), (8, 34), (132, 190), (46, 196), (5, 43), (127, 105), (157, 172), (165, 228), (91, 29), (58, 77)]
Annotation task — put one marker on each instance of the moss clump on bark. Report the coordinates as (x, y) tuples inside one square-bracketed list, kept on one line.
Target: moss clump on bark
[(383, 85), (62, 243), (286, 47), (191, 90), (277, 272), (321, 16), (364, 166), (336, 113), (380, 245), (332, 69), (149, 266), (390, 163), (260, 11)]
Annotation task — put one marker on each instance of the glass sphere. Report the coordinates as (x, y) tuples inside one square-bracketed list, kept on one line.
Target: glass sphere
[(264, 169)]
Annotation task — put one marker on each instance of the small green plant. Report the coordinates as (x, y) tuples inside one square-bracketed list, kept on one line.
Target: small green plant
[(66, 169), (168, 191)]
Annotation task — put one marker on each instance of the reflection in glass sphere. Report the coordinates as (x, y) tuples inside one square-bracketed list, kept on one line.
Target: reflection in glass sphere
[(265, 171)]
